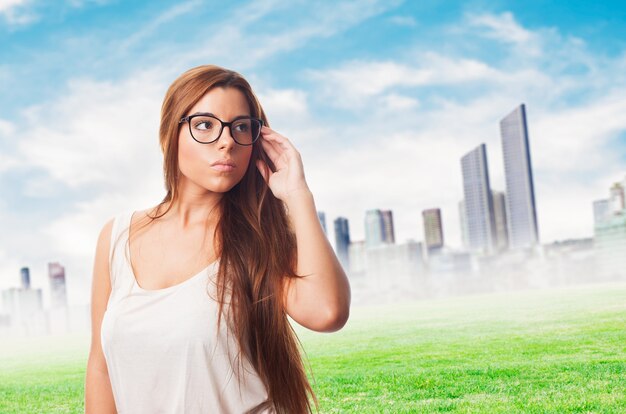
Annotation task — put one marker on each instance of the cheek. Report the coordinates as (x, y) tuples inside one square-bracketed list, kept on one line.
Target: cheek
[(242, 159), (191, 162), (187, 155)]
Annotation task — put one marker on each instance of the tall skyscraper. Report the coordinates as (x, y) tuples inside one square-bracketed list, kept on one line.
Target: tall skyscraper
[(478, 201), (342, 241), (499, 209), (520, 193), (25, 277), (58, 292), (388, 230), (374, 228), (433, 230)]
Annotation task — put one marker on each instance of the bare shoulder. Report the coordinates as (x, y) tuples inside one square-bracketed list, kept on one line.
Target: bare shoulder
[(104, 238), (141, 217)]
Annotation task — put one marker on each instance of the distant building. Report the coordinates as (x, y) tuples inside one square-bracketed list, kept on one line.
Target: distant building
[(610, 246), (342, 241), (610, 234), (23, 308), (20, 303), (25, 277), (449, 262), (520, 194), (388, 230), (374, 228), (58, 290), (499, 209), (601, 211), (478, 202), (357, 259), (433, 230), (394, 265)]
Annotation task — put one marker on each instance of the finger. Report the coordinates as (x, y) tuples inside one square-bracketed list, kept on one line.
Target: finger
[(278, 138), (271, 150)]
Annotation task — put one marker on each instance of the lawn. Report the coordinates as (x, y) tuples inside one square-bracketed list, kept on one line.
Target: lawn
[(561, 350)]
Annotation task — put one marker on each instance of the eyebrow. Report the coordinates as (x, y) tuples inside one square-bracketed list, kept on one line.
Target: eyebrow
[(209, 113)]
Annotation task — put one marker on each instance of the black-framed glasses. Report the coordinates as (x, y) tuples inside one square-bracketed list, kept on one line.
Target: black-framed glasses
[(203, 128)]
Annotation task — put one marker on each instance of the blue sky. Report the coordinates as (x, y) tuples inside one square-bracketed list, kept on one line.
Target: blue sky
[(382, 98)]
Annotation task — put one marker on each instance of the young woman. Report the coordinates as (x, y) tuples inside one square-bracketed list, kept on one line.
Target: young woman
[(159, 341)]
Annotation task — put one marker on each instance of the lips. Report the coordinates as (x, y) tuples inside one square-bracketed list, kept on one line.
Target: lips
[(224, 162), (223, 165)]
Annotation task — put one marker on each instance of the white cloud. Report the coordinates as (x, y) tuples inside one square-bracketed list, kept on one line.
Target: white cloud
[(15, 12), (502, 27), (97, 133), (163, 18), (6, 129), (7, 138), (319, 21), (354, 81), (505, 29), (408, 21), (82, 3), (397, 102), (6, 5), (284, 103)]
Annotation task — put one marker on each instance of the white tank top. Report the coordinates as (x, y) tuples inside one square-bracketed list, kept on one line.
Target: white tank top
[(162, 348)]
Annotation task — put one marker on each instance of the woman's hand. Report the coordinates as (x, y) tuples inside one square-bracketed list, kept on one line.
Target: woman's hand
[(288, 179)]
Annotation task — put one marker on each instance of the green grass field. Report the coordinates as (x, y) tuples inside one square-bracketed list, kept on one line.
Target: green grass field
[(552, 351)]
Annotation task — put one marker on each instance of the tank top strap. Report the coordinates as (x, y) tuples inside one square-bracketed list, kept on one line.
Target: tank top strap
[(120, 279)]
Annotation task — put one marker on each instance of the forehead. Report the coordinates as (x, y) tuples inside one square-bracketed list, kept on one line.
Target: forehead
[(225, 103)]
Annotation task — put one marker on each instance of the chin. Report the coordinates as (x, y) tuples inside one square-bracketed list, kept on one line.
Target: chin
[(221, 187)]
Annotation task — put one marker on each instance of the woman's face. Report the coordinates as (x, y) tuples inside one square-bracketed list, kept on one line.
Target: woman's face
[(195, 159)]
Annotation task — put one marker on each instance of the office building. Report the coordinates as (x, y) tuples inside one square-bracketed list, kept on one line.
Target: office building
[(499, 209), (520, 193), (58, 291), (433, 230), (479, 210), (388, 230), (342, 241), (601, 211), (374, 228)]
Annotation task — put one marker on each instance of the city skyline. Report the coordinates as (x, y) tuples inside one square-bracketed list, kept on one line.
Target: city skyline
[(381, 99)]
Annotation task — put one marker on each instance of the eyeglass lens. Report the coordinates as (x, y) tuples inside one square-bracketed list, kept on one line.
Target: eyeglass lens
[(207, 129)]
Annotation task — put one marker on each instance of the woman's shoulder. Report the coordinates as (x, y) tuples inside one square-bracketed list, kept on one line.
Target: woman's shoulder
[(147, 214), (122, 218)]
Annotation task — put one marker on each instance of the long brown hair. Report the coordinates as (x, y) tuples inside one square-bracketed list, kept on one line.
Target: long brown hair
[(256, 248)]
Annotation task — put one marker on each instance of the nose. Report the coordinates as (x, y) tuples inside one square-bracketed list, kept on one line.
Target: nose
[(225, 138)]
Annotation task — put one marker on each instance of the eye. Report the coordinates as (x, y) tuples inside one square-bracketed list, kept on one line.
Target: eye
[(203, 123), (243, 126)]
